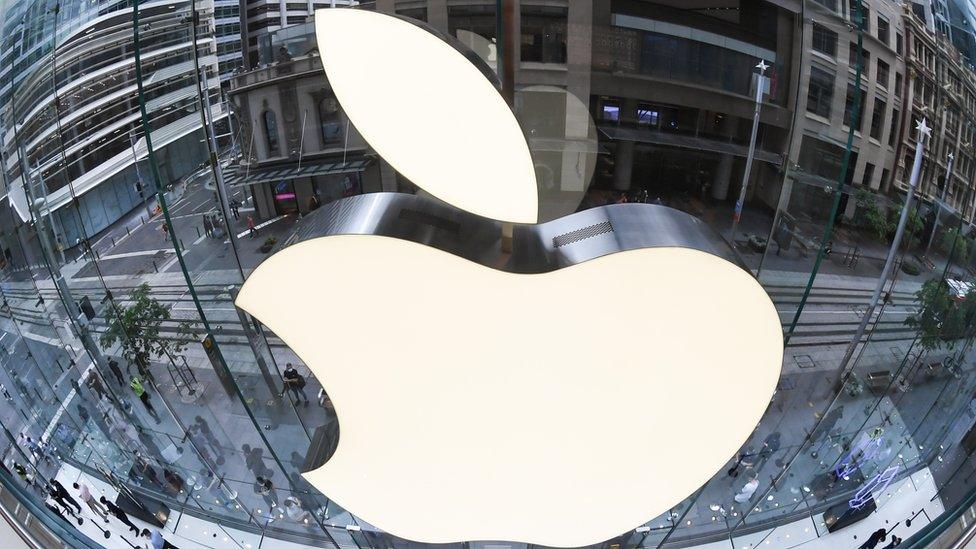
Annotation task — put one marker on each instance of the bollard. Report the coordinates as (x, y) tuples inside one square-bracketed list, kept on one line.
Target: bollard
[(113, 241), (198, 232), (181, 244), (127, 233), (155, 267)]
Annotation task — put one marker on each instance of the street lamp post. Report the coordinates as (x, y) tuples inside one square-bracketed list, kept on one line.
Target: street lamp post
[(923, 132), (762, 66), (142, 186), (938, 210)]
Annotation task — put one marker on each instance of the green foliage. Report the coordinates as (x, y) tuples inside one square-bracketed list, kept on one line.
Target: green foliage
[(876, 220), (911, 268), (940, 319), (960, 254), (136, 328)]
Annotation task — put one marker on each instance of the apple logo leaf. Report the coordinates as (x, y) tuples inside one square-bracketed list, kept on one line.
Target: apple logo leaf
[(428, 112), (562, 408)]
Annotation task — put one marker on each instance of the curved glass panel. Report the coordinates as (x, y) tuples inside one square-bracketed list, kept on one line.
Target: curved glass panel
[(154, 153)]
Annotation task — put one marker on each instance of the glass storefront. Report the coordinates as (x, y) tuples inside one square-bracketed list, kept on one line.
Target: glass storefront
[(146, 174)]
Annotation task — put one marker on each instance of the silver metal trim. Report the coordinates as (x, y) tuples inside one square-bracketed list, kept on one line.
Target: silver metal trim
[(536, 248)]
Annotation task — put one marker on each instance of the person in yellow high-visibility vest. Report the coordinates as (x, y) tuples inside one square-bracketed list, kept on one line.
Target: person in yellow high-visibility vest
[(143, 395)]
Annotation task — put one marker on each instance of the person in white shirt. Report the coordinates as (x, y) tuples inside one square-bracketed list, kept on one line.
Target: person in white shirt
[(90, 501)]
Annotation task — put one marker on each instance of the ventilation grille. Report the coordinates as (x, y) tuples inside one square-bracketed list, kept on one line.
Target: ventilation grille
[(582, 234)]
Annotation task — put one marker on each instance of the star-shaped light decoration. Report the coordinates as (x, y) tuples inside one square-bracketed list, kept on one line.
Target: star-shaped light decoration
[(923, 128), (762, 66), (951, 157)]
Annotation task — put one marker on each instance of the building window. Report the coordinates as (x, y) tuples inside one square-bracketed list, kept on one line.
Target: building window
[(884, 177), (899, 43), (883, 73), (829, 4), (898, 84), (877, 118), (544, 34), (865, 15), (894, 128), (820, 92), (329, 123), (271, 132), (883, 30), (824, 40), (868, 174), (849, 108), (865, 57)]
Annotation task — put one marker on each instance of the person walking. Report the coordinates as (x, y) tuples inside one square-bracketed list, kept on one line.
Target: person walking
[(156, 539), (119, 514), (207, 226), (748, 490), (204, 428), (143, 395), (235, 209), (295, 383), (116, 371), (876, 537), (165, 231), (61, 495), (90, 501), (252, 230)]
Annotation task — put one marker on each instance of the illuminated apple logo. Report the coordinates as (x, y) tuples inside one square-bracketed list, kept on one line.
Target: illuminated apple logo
[(560, 409)]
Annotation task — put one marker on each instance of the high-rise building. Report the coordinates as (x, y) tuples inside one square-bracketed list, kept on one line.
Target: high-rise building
[(264, 16), (69, 100)]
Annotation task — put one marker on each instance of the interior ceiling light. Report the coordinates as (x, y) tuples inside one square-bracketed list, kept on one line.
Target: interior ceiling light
[(428, 112)]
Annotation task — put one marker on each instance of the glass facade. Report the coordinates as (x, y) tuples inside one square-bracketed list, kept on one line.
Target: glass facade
[(146, 172)]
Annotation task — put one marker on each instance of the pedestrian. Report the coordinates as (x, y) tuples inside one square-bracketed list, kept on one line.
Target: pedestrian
[(57, 512), (119, 514), (61, 495), (143, 395), (876, 537), (295, 383), (156, 540), (295, 511), (165, 231), (750, 488), (97, 387), (90, 500), (204, 428), (235, 209), (252, 230), (207, 226), (114, 366), (264, 488)]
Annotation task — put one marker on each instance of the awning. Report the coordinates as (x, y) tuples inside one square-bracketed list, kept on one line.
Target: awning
[(275, 174), (686, 142)]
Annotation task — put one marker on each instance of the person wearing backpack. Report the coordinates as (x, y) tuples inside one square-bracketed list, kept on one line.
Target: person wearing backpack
[(295, 383)]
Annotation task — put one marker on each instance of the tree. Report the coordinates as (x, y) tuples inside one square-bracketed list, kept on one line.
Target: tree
[(136, 328), (876, 220), (961, 252), (941, 319)]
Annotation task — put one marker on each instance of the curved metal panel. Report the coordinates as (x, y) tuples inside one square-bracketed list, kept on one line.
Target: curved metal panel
[(536, 248)]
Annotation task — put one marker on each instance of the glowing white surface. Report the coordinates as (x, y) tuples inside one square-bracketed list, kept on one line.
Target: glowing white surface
[(428, 112), (559, 409)]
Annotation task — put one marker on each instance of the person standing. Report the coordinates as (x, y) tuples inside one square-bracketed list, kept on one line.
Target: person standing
[(119, 514), (90, 501), (876, 537), (61, 495), (265, 488), (295, 383), (235, 209), (207, 226), (252, 231), (143, 395)]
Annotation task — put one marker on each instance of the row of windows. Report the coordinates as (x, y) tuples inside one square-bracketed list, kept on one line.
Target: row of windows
[(825, 42), (330, 126), (820, 94), (883, 27)]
